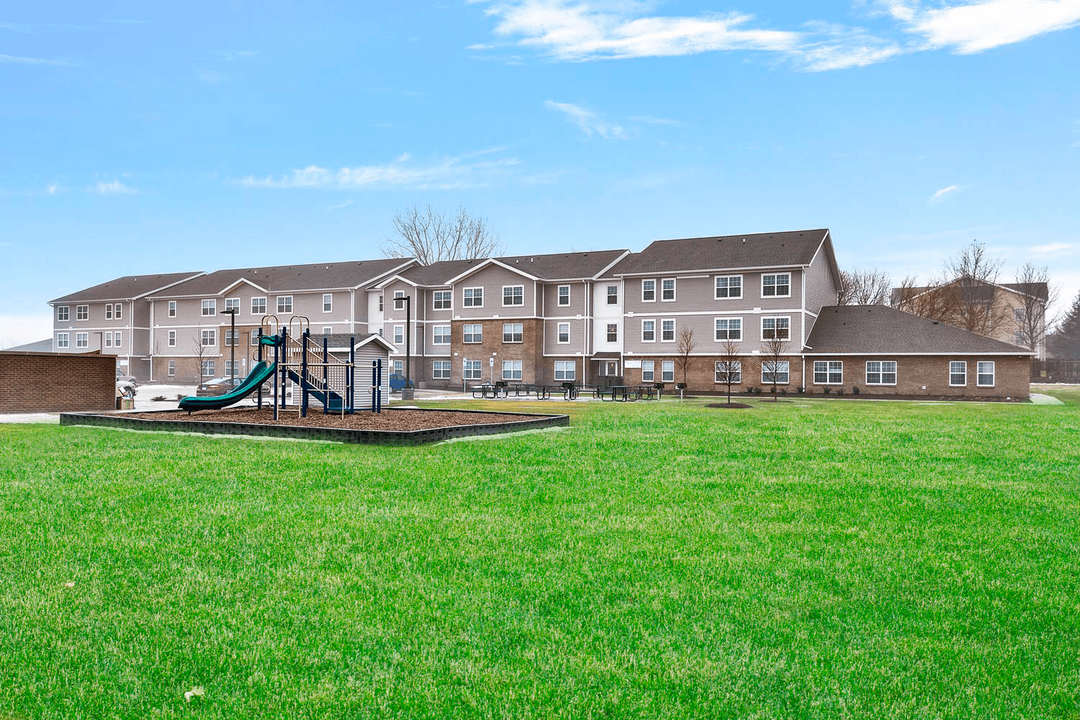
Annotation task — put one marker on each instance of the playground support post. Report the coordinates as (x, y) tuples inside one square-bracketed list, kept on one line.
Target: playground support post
[(282, 364), (350, 374), (259, 352), (326, 378), (303, 373)]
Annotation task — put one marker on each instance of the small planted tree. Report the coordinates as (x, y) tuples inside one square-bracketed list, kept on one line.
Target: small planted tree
[(772, 350), (729, 366), (685, 346)]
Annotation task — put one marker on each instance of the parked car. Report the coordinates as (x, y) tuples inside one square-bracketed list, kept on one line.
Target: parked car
[(217, 386), (121, 376), (397, 382), (125, 389)]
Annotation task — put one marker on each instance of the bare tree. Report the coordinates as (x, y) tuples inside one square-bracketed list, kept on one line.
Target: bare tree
[(685, 346), (1033, 284), (430, 236), (201, 352), (975, 274), (729, 366), (864, 287), (772, 349)]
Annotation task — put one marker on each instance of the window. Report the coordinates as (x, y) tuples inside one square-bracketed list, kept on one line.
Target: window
[(231, 340), (172, 338), (172, 368), (612, 294), (828, 372), (108, 339), (775, 327), (667, 330), (473, 333), (284, 304), (724, 368), (648, 331), (399, 334), (1019, 314), (208, 368), (254, 338), (398, 294), (62, 313), (82, 312), (380, 303), (563, 333), (648, 371), (258, 306), (880, 372), (232, 368), (648, 291), (441, 335), (209, 338), (441, 299), (473, 297), (231, 305), (779, 369), (957, 373), (172, 308), (440, 370), (82, 340), (728, 286), (612, 332), (564, 295), (513, 332), (513, 295), (399, 366), (108, 311), (63, 340), (667, 371), (118, 311), (118, 339), (327, 302), (511, 370), (984, 373), (729, 329), (776, 285), (473, 370), (209, 308), (565, 370), (327, 330), (667, 290)]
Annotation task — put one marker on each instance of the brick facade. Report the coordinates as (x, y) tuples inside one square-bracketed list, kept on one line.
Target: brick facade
[(528, 351), (929, 375), (701, 373), (53, 382)]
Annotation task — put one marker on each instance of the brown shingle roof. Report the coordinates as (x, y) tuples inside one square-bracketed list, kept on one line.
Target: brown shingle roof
[(880, 330), (289, 278), (437, 273), (126, 288), (563, 266)]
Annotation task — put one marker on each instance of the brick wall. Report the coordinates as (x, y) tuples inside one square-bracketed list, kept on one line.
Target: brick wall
[(528, 351), (53, 382), (929, 375), (701, 373)]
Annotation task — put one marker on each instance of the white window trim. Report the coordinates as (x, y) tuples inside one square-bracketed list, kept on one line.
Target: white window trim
[(465, 304), (655, 290), (729, 319), (434, 293), (896, 372), (663, 370), (118, 311), (608, 332), (511, 341), (63, 340), (108, 311), (652, 371), (514, 365), (213, 335), (258, 312), (993, 373), (330, 297), (86, 309), (212, 307), (964, 363), (83, 338), (674, 289), (674, 330), (511, 287), (776, 274), (170, 368), (570, 365), (653, 321), (775, 317), (64, 310), (172, 308), (558, 333), (608, 295), (170, 339), (729, 297), (278, 301), (717, 369), (465, 369), (441, 366), (465, 332), (828, 372), (399, 330), (764, 365), (559, 296), (435, 335), (118, 339)]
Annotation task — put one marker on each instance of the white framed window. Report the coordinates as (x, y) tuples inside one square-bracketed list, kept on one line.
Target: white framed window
[(667, 371), (399, 366), (1019, 314), (728, 287), (82, 340), (118, 311), (880, 372), (327, 330), (776, 285), (440, 370), (172, 338), (63, 313), (724, 368), (513, 332), (513, 295), (284, 304), (776, 327), (63, 340), (172, 308), (780, 369), (232, 368), (565, 370), (208, 368), (511, 370), (728, 329), (612, 332), (209, 307), (441, 335), (957, 373), (473, 370), (828, 372), (441, 299), (380, 303), (667, 290), (118, 339), (209, 338), (648, 371), (667, 330), (648, 291), (258, 306), (472, 297), (108, 339), (254, 338), (234, 340), (563, 330), (648, 331), (564, 296), (231, 305), (108, 311), (398, 294), (327, 302), (399, 334), (82, 312), (171, 368), (612, 294), (984, 373), (472, 333)]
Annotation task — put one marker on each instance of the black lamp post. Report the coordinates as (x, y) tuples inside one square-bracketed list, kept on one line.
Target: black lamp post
[(231, 312), (407, 391)]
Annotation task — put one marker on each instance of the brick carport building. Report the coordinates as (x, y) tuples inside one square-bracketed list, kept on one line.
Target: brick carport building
[(883, 351)]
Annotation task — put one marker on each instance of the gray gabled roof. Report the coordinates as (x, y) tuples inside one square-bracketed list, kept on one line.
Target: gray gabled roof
[(289, 278), (976, 291), (882, 330), (41, 346), (437, 273), (128, 287), (563, 266)]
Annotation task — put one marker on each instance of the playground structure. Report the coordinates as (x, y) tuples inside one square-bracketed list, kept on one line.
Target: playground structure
[(309, 365)]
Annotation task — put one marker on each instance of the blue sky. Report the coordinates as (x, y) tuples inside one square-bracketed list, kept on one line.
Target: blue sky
[(141, 137)]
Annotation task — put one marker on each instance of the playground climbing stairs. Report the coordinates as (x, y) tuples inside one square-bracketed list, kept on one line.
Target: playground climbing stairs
[(325, 378)]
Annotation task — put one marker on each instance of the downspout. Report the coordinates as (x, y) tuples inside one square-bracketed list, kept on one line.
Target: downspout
[(153, 355), (586, 342)]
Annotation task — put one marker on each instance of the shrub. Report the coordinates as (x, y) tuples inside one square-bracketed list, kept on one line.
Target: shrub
[(828, 390), (839, 391), (855, 389)]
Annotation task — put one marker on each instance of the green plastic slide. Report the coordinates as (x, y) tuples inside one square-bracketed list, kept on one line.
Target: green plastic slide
[(259, 374)]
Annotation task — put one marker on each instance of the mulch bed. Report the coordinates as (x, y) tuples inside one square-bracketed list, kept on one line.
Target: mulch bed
[(393, 420), (730, 406)]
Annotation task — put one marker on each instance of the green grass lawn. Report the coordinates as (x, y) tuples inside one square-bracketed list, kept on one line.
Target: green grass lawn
[(821, 559)]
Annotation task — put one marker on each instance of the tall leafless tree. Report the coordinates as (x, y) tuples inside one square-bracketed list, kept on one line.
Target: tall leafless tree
[(772, 351), (729, 366), (975, 274), (1036, 294), (430, 236), (201, 353), (685, 346), (864, 287)]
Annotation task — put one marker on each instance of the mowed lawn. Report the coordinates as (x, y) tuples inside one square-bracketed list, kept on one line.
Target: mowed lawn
[(823, 559)]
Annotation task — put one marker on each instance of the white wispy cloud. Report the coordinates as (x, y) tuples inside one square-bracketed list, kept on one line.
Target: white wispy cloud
[(978, 26), (15, 59), (943, 192), (1058, 248), (113, 187), (341, 205), (650, 120), (467, 170), (588, 121), (51, 188)]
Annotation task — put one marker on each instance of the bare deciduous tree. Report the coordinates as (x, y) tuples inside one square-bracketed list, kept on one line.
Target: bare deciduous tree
[(430, 236), (864, 287), (201, 352), (1033, 284), (772, 350), (974, 273), (729, 366), (685, 346)]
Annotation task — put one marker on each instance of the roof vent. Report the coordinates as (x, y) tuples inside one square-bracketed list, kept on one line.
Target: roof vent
[(744, 239)]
